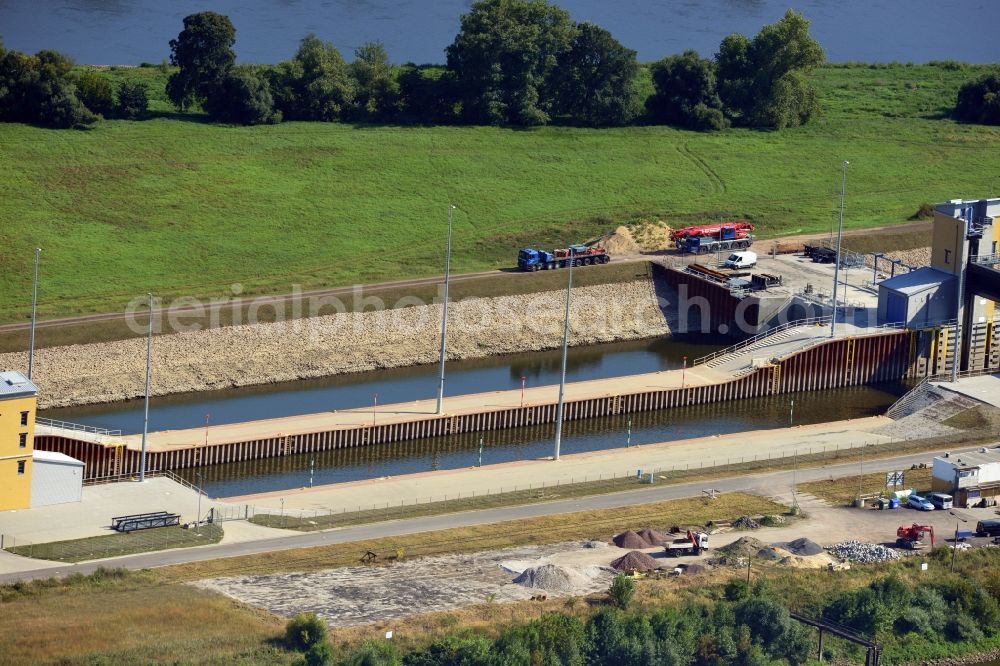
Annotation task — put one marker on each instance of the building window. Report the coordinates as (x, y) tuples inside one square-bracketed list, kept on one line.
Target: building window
[(23, 442), (947, 256), (20, 466), (24, 418)]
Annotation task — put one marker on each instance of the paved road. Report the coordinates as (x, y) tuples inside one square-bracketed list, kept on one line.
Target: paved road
[(770, 484)]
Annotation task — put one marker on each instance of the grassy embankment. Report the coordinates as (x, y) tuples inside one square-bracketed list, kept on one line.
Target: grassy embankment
[(181, 207), (153, 616), (117, 545)]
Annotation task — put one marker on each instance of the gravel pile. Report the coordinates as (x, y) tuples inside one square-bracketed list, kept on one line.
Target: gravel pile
[(630, 539), (863, 553), (918, 256), (802, 547), (743, 547), (348, 342), (653, 537), (553, 578), (635, 561), (594, 544), (745, 523)]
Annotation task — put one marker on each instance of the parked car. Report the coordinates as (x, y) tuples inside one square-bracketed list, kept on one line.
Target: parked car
[(918, 502), (940, 500), (988, 528)]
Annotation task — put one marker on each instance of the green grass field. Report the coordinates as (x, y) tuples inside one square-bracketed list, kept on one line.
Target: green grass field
[(180, 207)]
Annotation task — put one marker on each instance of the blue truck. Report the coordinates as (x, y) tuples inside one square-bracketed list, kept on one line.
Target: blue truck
[(727, 238), (531, 259)]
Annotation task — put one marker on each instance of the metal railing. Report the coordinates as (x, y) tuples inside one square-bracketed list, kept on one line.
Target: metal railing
[(739, 346), (77, 427), (985, 259), (132, 476)]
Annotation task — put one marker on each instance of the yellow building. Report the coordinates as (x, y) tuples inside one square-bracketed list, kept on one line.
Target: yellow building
[(17, 432)]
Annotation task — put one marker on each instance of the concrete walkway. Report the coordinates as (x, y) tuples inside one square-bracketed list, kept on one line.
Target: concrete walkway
[(985, 388), (691, 453)]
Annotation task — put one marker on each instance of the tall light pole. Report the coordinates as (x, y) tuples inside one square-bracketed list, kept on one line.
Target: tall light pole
[(840, 238), (565, 351), (145, 417), (34, 313), (444, 312), (961, 263)]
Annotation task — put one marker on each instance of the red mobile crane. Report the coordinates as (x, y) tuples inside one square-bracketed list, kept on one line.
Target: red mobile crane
[(712, 230)]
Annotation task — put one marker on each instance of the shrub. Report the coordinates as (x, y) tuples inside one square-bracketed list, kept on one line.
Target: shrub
[(915, 621), (319, 654), (374, 653), (621, 591), (924, 212), (304, 631), (133, 101), (737, 589), (95, 92), (962, 628), (979, 100)]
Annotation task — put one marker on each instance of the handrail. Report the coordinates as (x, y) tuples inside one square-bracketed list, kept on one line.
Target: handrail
[(760, 336), (116, 478), (78, 427), (907, 398), (985, 258)]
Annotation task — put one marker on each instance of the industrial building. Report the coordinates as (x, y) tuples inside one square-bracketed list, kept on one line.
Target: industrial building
[(921, 298), (28, 477), (968, 477)]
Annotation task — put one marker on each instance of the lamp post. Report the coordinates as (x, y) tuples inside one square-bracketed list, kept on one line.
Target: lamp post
[(840, 238), (374, 408), (198, 521), (954, 546), (145, 416), (34, 313), (444, 311), (565, 351), (684, 368)]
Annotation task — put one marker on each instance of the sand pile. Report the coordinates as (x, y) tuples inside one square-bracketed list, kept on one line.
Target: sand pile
[(802, 547), (653, 237), (553, 578), (630, 539), (652, 537), (635, 561), (618, 243)]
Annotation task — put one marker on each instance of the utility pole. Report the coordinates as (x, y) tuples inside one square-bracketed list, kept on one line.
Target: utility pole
[(840, 238), (34, 313), (791, 414), (444, 311), (312, 470), (565, 351), (145, 417), (861, 476), (480, 449), (628, 438)]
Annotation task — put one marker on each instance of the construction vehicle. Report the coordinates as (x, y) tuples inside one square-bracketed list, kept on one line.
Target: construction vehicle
[(821, 254), (531, 259), (909, 536), (726, 238), (692, 544), (711, 230)]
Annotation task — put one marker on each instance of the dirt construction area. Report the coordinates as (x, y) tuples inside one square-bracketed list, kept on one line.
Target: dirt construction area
[(359, 595)]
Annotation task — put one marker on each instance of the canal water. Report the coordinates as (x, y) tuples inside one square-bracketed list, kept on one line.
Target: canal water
[(489, 374), (134, 31), (458, 451)]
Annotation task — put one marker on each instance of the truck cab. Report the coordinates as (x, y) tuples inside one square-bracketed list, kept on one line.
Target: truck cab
[(530, 259)]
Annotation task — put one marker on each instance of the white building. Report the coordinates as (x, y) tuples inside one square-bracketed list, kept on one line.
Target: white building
[(969, 477), (56, 478)]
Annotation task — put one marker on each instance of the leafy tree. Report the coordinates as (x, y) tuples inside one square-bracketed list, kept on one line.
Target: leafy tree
[(315, 84), (767, 619), (685, 93), (96, 93), (204, 53), (376, 89), (304, 631), (243, 97), (374, 653), (979, 100), (761, 81), (737, 589), (133, 101), (38, 89), (426, 94), (594, 82), (621, 591), (319, 654), (503, 57), (552, 639)]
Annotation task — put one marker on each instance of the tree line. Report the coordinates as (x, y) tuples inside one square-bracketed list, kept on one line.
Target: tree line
[(513, 63)]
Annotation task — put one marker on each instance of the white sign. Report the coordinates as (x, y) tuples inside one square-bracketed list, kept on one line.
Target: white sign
[(388, 634)]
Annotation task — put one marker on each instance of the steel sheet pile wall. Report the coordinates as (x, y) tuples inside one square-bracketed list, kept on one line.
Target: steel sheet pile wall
[(833, 364), (705, 306)]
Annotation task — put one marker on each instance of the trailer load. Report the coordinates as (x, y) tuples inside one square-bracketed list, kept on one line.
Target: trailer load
[(710, 229), (727, 237), (531, 259), (692, 544)]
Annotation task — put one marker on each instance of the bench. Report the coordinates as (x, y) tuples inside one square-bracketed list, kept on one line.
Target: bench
[(144, 521)]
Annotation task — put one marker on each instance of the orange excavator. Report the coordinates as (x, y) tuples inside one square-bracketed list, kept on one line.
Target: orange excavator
[(909, 536)]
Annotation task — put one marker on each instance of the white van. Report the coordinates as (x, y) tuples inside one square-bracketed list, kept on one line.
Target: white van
[(940, 500), (742, 260)]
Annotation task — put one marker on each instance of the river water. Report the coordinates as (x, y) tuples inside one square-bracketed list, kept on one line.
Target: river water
[(134, 31)]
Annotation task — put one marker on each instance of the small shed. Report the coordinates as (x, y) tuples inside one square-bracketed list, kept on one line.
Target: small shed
[(56, 478), (922, 297)]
